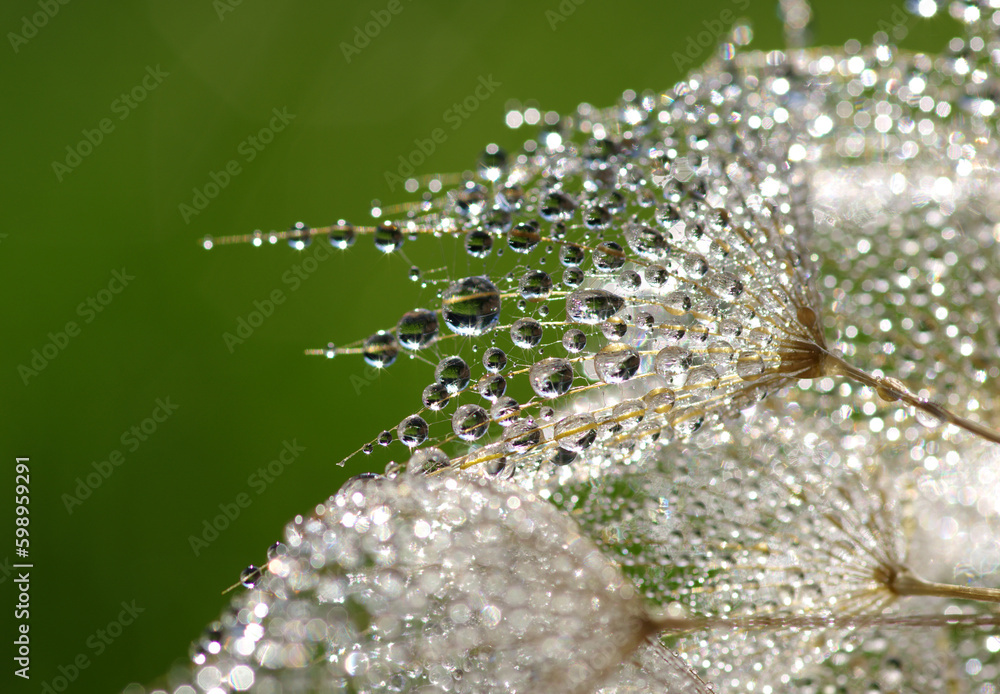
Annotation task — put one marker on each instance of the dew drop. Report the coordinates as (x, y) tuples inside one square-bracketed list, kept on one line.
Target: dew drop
[(380, 349), (647, 243), (492, 386), (655, 275), (388, 237), (608, 257), (563, 456), (478, 243), (574, 340), (298, 236), (526, 332), (524, 237), (412, 431), (576, 432), (570, 254), (341, 235), (494, 360), (749, 365), (557, 206), (471, 306), (453, 373), (417, 329), (617, 363), (522, 437), (249, 576), (573, 277), (701, 381), (426, 461), (592, 306), (435, 397), (470, 422), (678, 303), (660, 400), (671, 361), (628, 413), (695, 266), (725, 285), (505, 411), (551, 377), (535, 285)]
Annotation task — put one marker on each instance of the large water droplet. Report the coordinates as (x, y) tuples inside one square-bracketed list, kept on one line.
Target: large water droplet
[(608, 257), (695, 265), (412, 431), (524, 237), (563, 456), (660, 400), (725, 285), (647, 243), (522, 436), (576, 432), (749, 365), (573, 277), (299, 236), (655, 275), (380, 349), (571, 254), (505, 411), (557, 206), (453, 373), (478, 243), (627, 414), (492, 386), (470, 422), (494, 360), (388, 237), (427, 460), (471, 306), (551, 377), (671, 361), (435, 397), (574, 340), (417, 329), (535, 285), (617, 363), (341, 235), (592, 306), (701, 381), (526, 332)]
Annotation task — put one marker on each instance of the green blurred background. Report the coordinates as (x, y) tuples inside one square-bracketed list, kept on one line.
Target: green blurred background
[(228, 65)]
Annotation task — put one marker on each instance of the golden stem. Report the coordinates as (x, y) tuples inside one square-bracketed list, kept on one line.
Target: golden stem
[(678, 625), (907, 583), (890, 389)]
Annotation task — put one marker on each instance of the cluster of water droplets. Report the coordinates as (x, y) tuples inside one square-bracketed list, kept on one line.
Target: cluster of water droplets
[(425, 583), (636, 276)]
